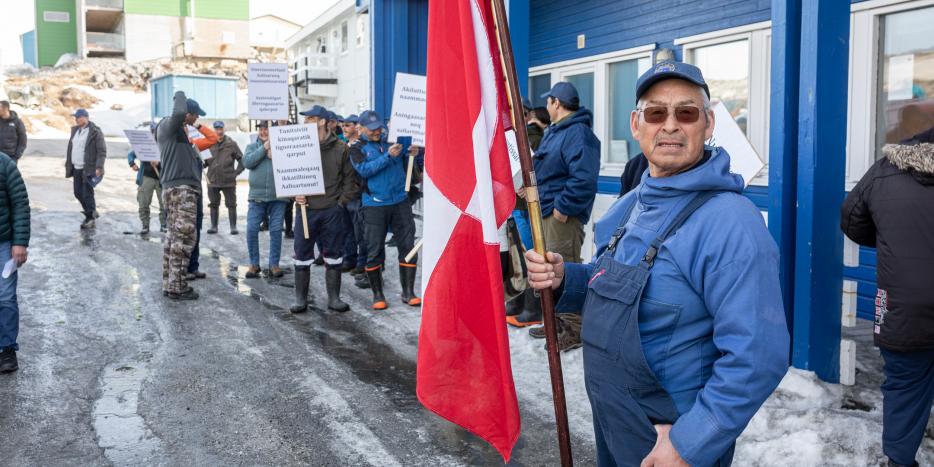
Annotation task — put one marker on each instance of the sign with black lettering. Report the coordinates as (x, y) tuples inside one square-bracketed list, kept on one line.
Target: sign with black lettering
[(408, 108), (296, 160)]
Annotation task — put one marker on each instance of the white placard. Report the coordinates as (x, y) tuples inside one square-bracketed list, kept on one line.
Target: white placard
[(193, 134), (296, 160), (901, 77), (268, 89), (408, 108), (143, 144), (728, 135), (512, 147)]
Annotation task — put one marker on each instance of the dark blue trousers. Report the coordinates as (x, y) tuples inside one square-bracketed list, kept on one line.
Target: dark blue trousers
[(907, 394)]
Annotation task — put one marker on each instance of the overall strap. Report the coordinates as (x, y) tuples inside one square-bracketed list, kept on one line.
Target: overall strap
[(618, 234), (679, 220)]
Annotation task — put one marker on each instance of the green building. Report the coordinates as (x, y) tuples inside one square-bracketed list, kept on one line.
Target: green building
[(142, 29)]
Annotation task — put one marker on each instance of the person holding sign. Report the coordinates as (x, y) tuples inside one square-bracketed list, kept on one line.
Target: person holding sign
[(147, 182), (385, 204), (262, 203), (325, 216), (181, 190)]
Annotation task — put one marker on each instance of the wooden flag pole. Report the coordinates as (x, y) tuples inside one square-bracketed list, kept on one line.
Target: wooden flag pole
[(408, 174), (535, 218)]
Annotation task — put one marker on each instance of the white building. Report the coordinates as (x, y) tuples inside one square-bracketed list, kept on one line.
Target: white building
[(329, 60), (268, 33)]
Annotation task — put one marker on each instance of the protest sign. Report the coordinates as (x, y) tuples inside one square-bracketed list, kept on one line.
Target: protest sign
[(268, 88), (143, 144), (408, 109), (728, 135), (193, 134), (296, 160)]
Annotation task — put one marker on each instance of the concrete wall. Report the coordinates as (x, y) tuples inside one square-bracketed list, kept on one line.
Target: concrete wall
[(150, 37)]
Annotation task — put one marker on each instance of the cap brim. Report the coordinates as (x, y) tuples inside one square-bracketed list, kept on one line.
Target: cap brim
[(671, 75), (546, 95), (373, 126)]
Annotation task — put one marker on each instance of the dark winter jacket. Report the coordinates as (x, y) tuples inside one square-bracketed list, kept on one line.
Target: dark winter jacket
[(535, 133), (179, 158), (14, 204), (95, 150), (632, 174), (892, 209), (224, 156), (339, 183), (12, 136), (567, 164), (357, 156)]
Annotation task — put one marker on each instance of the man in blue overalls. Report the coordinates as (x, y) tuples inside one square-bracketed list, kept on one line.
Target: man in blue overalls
[(683, 326)]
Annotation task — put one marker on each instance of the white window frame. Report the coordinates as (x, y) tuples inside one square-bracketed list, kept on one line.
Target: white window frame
[(759, 37), (598, 65), (863, 81)]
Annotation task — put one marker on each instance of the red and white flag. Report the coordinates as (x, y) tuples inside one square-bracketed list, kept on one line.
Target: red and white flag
[(464, 372)]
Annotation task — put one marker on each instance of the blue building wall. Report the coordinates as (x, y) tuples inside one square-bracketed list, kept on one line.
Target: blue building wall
[(28, 41), (216, 95)]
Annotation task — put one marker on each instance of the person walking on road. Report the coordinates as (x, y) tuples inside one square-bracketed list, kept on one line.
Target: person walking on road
[(263, 203), (225, 164), (181, 186), (14, 246), (891, 209), (147, 182), (84, 163), (12, 133)]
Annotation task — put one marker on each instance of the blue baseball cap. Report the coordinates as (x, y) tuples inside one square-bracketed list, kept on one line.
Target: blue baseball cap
[(526, 103), (371, 120), (564, 92), (670, 69), (80, 113), (218, 124), (332, 115), (194, 108), (316, 111), (352, 118)]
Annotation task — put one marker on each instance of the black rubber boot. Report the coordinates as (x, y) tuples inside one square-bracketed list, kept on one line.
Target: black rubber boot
[(376, 283), (332, 280), (407, 279), (302, 278), (515, 306), (214, 215), (232, 214), (8, 362), (361, 281), (531, 315)]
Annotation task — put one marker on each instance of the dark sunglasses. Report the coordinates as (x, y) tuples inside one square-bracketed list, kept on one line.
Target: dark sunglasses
[(683, 113)]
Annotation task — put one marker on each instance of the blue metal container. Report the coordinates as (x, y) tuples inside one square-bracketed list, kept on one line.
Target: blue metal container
[(217, 95)]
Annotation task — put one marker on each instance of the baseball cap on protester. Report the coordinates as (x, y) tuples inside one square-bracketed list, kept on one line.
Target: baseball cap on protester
[(371, 120), (564, 92), (527, 103), (316, 111), (80, 113), (263, 124), (352, 118), (218, 124), (195, 109), (670, 70)]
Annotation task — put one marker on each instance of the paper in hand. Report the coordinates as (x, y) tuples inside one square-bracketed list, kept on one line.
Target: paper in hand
[(9, 268)]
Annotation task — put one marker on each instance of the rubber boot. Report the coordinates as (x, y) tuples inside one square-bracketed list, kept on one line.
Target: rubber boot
[(531, 315), (332, 279), (214, 215), (516, 305), (232, 214), (361, 281), (407, 278), (376, 283), (302, 278)]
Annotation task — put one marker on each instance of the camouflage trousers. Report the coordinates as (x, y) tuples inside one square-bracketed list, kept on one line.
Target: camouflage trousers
[(181, 205)]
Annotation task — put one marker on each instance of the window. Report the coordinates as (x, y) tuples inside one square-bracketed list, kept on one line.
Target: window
[(584, 84), (344, 37), (361, 30), (335, 39), (322, 47), (726, 70), (539, 85), (905, 89), (622, 97)]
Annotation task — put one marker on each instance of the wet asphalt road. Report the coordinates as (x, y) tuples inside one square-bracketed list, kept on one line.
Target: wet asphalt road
[(114, 374)]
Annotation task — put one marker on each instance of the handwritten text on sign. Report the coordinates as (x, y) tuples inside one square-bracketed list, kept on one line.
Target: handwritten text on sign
[(268, 90), (143, 144), (296, 160), (408, 109)]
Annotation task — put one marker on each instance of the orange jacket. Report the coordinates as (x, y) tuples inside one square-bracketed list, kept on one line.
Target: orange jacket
[(210, 138)]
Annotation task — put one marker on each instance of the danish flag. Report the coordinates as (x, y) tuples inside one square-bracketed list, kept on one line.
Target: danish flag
[(464, 372)]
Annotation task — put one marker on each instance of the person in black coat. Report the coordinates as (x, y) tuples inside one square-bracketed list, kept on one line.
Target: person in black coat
[(12, 133), (892, 210)]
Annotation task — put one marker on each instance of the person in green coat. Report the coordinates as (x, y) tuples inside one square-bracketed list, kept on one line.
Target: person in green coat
[(14, 250)]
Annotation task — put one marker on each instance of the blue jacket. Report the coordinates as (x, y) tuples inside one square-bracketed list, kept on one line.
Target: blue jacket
[(711, 318), (384, 175), (262, 181), (567, 164)]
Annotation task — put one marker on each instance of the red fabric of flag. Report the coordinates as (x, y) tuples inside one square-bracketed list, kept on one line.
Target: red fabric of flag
[(464, 371)]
